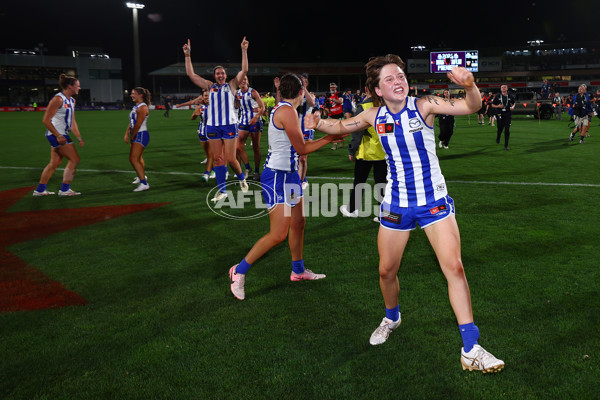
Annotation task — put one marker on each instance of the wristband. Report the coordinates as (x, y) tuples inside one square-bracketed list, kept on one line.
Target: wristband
[(188, 55), (80, 139), (319, 124)]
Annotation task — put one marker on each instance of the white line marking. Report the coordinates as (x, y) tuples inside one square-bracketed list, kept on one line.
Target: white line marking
[(326, 178)]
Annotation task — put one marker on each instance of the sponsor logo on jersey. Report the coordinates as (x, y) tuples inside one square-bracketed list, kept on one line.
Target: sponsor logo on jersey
[(383, 129)]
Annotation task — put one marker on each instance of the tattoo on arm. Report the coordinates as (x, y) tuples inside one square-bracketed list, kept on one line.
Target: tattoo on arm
[(355, 123), (433, 99)]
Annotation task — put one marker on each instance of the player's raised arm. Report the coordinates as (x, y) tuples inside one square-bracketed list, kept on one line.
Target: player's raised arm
[(470, 104)]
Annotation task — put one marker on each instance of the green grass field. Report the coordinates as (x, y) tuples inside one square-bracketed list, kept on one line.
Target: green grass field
[(161, 323)]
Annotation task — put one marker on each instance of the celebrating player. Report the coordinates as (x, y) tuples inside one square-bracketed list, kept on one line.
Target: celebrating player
[(282, 188), (221, 121), (416, 192)]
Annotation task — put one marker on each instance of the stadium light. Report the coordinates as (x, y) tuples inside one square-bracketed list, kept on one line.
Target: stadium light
[(136, 42), (138, 6)]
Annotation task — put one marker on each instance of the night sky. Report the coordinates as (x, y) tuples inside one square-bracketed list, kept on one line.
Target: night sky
[(304, 32)]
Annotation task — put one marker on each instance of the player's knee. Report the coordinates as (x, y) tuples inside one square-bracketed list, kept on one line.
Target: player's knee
[(387, 271), (278, 236), (455, 267)]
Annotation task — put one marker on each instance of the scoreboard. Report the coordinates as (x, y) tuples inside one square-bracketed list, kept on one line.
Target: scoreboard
[(444, 61)]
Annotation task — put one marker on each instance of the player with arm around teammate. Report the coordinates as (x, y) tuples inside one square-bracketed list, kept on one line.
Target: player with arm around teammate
[(416, 192), (282, 188)]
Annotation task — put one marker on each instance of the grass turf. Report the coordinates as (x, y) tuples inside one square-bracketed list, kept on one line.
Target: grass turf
[(161, 323)]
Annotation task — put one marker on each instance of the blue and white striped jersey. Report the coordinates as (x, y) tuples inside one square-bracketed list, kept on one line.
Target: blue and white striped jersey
[(221, 106), (414, 176), (133, 118), (63, 119), (247, 106), (282, 155)]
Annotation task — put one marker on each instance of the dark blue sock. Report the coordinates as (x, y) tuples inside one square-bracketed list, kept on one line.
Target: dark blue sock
[(143, 181), (298, 266), (393, 313), (65, 186), (220, 172), (470, 334), (41, 187), (248, 166), (243, 267), (241, 176)]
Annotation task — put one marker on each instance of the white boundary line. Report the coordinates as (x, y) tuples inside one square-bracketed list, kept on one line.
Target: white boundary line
[(327, 178)]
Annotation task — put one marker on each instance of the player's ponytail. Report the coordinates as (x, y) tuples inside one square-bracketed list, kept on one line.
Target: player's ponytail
[(66, 80)]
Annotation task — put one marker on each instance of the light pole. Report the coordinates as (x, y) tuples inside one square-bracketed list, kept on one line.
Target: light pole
[(136, 42)]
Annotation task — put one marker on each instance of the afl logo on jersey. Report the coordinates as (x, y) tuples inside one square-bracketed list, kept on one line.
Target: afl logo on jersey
[(385, 129)]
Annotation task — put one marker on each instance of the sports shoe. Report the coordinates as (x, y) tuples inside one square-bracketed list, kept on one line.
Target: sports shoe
[(141, 187), (244, 185), (581, 141), (237, 283), (572, 136), (257, 176), (44, 193), (204, 161), (219, 196), (307, 275), (440, 145), (445, 147), (383, 331), (204, 178), (136, 181), (376, 219), (304, 185), (69, 192), (212, 175), (346, 213), (480, 359)]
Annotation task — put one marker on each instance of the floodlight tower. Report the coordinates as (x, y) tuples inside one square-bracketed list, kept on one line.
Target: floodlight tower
[(136, 42)]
